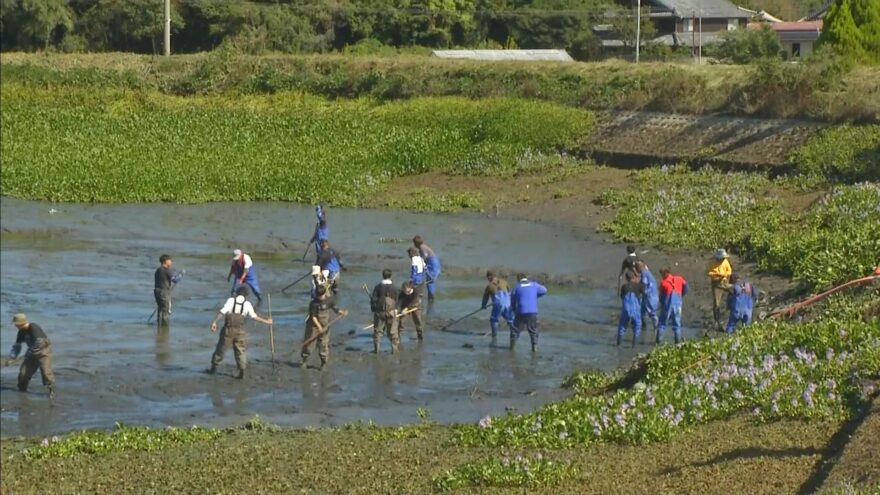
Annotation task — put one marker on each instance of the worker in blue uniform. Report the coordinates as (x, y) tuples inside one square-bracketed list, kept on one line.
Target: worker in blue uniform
[(651, 297), (432, 267), (740, 302), (245, 273), (499, 292), (524, 300), (322, 232), (631, 310)]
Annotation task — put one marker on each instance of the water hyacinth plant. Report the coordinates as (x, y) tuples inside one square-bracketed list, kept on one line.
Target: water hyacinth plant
[(141, 146), (772, 371), (122, 438), (507, 471), (833, 241)]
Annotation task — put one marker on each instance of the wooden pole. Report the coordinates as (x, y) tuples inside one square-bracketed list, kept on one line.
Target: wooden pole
[(271, 331)]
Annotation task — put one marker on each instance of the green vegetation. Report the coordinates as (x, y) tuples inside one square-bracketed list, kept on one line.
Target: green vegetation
[(302, 26), (508, 471), (742, 46), (833, 241), (844, 153), (121, 439), (113, 146), (852, 27), (823, 90), (773, 371)]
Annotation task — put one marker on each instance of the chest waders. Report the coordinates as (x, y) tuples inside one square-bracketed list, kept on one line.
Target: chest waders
[(232, 334)]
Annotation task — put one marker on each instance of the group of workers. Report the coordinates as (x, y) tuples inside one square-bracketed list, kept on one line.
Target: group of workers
[(642, 299)]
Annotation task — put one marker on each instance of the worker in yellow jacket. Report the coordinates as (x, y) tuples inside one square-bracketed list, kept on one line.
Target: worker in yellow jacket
[(719, 277)]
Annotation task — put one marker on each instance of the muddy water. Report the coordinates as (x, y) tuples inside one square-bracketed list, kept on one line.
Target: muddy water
[(84, 273)]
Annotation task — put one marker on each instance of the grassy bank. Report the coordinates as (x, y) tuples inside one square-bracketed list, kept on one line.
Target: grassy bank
[(132, 146), (775, 90)]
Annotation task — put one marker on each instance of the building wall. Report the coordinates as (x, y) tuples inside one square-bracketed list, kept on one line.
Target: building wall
[(709, 25), (806, 48)]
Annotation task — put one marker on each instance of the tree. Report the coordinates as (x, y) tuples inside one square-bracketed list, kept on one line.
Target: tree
[(32, 23), (866, 14), (623, 23), (130, 25), (841, 32), (746, 45)]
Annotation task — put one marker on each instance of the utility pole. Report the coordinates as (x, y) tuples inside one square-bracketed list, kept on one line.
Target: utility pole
[(167, 28), (638, 27), (700, 49)]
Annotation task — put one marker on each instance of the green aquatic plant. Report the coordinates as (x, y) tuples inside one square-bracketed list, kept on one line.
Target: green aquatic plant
[(833, 241), (138, 146), (770, 371), (518, 470), (122, 438)]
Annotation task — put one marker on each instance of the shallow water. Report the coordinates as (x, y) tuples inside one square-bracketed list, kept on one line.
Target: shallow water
[(85, 273)]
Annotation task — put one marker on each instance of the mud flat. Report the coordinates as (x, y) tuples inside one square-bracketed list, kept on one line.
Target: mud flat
[(84, 272)]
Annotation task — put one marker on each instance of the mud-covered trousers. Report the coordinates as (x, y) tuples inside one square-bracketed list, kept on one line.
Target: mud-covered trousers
[(385, 325), (36, 359), (527, 322), (234, 338)]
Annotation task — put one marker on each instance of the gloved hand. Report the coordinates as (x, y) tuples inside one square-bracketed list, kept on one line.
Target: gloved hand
[(15, 351)]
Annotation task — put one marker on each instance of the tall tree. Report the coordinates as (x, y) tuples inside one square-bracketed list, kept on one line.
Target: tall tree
[(866, 14), (841, 32)]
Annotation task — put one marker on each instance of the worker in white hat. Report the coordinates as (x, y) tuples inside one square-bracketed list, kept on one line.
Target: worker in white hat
[(245, 273), (719, 277), (319, 278)]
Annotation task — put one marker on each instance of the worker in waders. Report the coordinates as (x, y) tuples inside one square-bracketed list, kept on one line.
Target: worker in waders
[(719, 278), (740, 301), (164, 279), (628, 266), (245, 273), (499, 292), (37, 357), (651, 298), (322, 232), (524, 300), (318, 323), (409, 301), (233, 332), (631, 294), (383, 304), (330, 261), (672, 289), (432, 268)]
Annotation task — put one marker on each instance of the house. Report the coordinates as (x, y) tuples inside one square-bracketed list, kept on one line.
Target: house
[(798, 38), (685, 22)]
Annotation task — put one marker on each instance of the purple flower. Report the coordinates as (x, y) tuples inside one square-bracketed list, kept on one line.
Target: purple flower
[(697, 402), (831, 384), (505, 461), (563, 435), (794, 402), (829, 354), (774, 408), (597, 431), (618, 418), (539, 457), (677, 419), (485, 422), (737, 395), (45, 442), (55, 438)]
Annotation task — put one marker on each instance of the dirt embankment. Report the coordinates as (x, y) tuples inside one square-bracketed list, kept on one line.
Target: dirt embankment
[(638, 139)]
